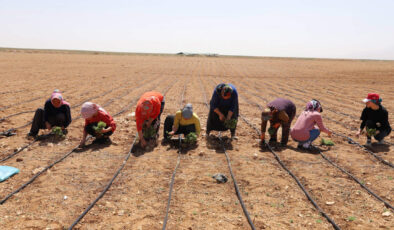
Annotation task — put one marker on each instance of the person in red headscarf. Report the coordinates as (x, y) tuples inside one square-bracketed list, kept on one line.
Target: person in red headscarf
[(56, 112), (375, 118), (148, 112)]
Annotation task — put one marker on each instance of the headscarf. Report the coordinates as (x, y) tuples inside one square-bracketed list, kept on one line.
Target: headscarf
[(313, 105), (89, 109), (57, 95)]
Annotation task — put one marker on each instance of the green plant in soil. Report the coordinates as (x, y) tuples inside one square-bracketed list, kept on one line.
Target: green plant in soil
[(99, 128), (58, 131), (327, 142), (191, 138), (371, 132), (271, 130), (149, 132), (231, 124)]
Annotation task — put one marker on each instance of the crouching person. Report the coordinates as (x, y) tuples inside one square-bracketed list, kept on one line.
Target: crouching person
[(304, 130), (375, 118), (147, 115), (280, 112), (98, 123), (224, 109), (184, 122), (56, 112)]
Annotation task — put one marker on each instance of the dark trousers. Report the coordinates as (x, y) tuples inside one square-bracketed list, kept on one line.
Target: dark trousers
[(184, 129), (383, 132), (39, 121), (89, 129), (285, 130), (214, 122)]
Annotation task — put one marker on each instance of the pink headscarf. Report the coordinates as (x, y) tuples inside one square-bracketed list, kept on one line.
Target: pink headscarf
[(89, 109), (57, 95)]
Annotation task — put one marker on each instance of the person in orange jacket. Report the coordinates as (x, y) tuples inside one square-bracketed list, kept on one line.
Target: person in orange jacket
[(148, 112)]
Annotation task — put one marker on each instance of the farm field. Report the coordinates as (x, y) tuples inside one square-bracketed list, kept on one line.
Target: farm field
[(138, 197)]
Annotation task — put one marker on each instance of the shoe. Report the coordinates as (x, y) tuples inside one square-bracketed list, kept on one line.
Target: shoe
[(381, 142), (31, 136), (368, 144), (233, 137)]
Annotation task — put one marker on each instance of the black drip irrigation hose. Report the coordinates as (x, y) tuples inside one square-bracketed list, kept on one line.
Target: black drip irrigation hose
[(335, 165), (11, 132), (113, 178), (106, 187), (46, 135), (51, 165), (351, 141), (357, 180), (176, 167), (239, 196), (335, 226)]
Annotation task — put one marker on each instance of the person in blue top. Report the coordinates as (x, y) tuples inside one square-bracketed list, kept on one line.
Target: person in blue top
[(224, 110)]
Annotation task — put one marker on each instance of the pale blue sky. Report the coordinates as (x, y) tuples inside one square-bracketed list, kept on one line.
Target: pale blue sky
[(304, 28)]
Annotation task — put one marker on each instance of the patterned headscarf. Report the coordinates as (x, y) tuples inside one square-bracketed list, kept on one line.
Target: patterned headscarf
[(313, 105), (89, 109)]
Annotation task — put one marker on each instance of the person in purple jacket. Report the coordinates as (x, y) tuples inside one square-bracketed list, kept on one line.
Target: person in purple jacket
[(56, 112), (223, 107), (280, 112), (304, 130)]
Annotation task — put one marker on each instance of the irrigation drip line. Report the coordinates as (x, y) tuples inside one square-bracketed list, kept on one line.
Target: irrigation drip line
[(10, 132), (343, 170), (176, 167), (239, 196), (106, 187), (114, 177), (331, 110), (291, 174), (76, 118), (357, 180), (350, 140), (353, 142), (294, 177), (51, 165)]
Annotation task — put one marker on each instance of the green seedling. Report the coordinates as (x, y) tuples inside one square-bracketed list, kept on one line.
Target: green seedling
[(327, 142), (99, 128), (149, 132), (58, 131), (191, 138), (351, 218), (231, 124), (271, 130), (371, 132)]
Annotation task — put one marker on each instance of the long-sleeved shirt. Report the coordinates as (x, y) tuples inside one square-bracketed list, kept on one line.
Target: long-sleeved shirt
[(230, 104), (194, 120), (155, 98), (51, 111), (305, 123), (381, 115), (103, 116), (286, 111)]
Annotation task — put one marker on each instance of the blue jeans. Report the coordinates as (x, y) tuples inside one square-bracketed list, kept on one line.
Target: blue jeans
[(313, 134)]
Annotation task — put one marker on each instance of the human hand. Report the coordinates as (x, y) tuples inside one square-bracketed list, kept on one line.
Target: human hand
[(47, 125), (143, 142), (221, 117)]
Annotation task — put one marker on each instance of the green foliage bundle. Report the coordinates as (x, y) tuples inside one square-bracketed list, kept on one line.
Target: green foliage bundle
[(99, 128), (191, 138), (327, 142), (231, 124), (58, 131)]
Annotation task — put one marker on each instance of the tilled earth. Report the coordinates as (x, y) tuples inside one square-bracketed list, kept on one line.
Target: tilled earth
[(138, 197)]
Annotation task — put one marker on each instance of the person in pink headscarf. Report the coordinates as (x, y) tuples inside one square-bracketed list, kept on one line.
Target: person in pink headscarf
[(56, 112), (304, 130), (93, 114)]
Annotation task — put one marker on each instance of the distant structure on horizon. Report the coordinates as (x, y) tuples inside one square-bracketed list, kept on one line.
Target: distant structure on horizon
[(196, 54)]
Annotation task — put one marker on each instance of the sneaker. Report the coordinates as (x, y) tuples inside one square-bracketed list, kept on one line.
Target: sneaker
[(233, 137), (381, 142), (368, 144)]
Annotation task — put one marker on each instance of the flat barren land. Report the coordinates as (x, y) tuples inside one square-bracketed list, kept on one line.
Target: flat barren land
[(138, 197)]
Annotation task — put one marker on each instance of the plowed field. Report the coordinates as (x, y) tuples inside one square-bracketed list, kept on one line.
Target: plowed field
[(138, 197)]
